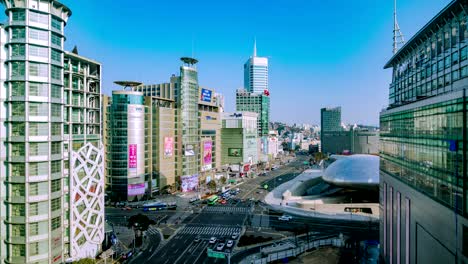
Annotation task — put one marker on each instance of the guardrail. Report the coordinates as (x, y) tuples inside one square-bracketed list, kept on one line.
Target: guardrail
[(336, 242)]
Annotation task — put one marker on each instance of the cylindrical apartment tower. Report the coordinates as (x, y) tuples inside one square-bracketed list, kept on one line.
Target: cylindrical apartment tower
[(36, 206)]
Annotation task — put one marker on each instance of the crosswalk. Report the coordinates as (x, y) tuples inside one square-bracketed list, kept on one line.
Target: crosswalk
[(210, 230), (227, 209), (152, 231)]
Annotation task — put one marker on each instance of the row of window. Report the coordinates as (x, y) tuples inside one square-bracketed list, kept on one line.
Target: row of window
[(34, 50), (20, 15), (18, 69), (19, 33), (18, 109)]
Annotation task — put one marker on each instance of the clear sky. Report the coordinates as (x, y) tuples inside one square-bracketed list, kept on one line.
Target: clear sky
[(322, 53)]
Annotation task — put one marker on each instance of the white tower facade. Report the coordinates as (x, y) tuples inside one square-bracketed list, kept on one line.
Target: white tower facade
[(256, 73)]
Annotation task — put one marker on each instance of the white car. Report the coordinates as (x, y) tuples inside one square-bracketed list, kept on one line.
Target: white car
[(212, 240), (234, 236), (220, 246), (230, 243), (285, 218)]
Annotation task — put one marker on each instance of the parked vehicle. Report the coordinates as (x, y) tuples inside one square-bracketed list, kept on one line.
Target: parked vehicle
[(230, 243), (235, 236), (285, 218), (212, 240), (197, 239), (220, 246)]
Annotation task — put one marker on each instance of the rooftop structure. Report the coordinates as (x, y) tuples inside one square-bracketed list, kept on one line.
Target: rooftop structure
[(355, 172)]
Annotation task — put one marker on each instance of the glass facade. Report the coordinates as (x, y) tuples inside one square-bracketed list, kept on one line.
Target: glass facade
[(415, 148), (257, 103), (330, 119)]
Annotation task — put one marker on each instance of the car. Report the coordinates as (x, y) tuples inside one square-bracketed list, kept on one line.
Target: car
[(235, 236), (285, 218), (194, 199), (197, 239), (126, 208), (220, 246), (223, 202), (212, 240), (230, 243)]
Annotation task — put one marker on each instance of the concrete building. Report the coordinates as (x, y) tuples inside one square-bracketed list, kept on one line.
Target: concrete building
[(239, 138), (350, 142), (273, 144), (128, 152), (258, 103), (51, 167), (422, 145)]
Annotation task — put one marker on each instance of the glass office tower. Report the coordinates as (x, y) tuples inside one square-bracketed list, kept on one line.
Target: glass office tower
[(423, 192), (256, 73), (258, 103)]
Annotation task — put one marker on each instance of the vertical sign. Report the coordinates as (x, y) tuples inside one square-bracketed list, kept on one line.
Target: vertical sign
[(168, 146), (132, 156), (207, 155)]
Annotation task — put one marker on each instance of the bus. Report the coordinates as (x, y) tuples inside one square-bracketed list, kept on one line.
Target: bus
[(213, 199), (159, 206)]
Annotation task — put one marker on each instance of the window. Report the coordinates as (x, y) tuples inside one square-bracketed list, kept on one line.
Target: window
[(33, 229), (440, 82), (18, 50), (38, 169), (38, 109), (56, 110), (455, 75), (18, 250), (56, 148), (56, 223), (56, 23), (17, 129), (38, 129), (448, 62), (455, 58), (17, 149), (18, 15), (17, 189), (463, 53), (38, 17), (38, 34), (55, 185), (56, 39), (38, 149), (33, 209), (56, 129), (56, 73), (55, 204), (38, 89), (18, 230), (56, 91), (33, 188), (17, 88), (440, 65), (38, 69), (56, 166), (18, 169), (56, 55), (447, 79), (464, 72), (17, 69), (33, 248), (18, 33), (38, 51)]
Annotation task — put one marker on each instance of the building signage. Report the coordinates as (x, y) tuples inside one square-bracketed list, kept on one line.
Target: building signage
[(207, 155), (136, 189), (132, 156), (168, 146), (234, 152), (189, 183), (205, 95)]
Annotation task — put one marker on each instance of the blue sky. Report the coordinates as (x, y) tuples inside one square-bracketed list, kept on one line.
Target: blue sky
[(322, 53)]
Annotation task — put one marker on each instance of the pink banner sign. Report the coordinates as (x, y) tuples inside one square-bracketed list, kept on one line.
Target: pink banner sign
[(136, 189), (132, 156), (168, 146)]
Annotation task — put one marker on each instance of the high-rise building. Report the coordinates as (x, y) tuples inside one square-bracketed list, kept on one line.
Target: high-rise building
[(239, 138), (330, 119), (256, 73), (51, 167), (128, 153), (423, 169), (210, 130), (258, 103)]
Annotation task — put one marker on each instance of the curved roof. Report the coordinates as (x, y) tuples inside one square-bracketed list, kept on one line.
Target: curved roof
[(356, 171)]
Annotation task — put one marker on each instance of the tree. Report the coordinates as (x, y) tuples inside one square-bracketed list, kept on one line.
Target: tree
[(212, 185), (319, 156), (223, 180), (140, 221)]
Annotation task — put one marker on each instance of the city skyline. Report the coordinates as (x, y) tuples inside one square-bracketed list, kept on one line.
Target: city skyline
[(223, 47)]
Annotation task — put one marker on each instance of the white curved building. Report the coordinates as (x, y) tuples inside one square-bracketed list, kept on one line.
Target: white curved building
[(355, 172)]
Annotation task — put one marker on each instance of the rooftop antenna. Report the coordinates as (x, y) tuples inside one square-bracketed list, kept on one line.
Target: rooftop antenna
[(398, 38), (255, 47), (193, 46)]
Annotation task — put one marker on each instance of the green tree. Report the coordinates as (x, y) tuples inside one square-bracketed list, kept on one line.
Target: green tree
[(212, 185), (142, 222), (223, 180)]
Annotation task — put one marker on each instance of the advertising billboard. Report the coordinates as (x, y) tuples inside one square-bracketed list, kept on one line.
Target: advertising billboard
[(207, 155), (234, 152), (168, 146), (132, 156), (136, 189), (189, 151), (189, 183), (205, 95)]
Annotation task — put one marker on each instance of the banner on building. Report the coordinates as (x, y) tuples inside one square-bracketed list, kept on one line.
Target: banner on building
[(189, 183), (168, 146), (132, 156), (234, 152), (136, 189), (207, 155), (189, 150), (205, 95)]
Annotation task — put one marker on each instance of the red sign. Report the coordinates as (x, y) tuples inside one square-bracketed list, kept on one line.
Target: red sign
[(132, 156)]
